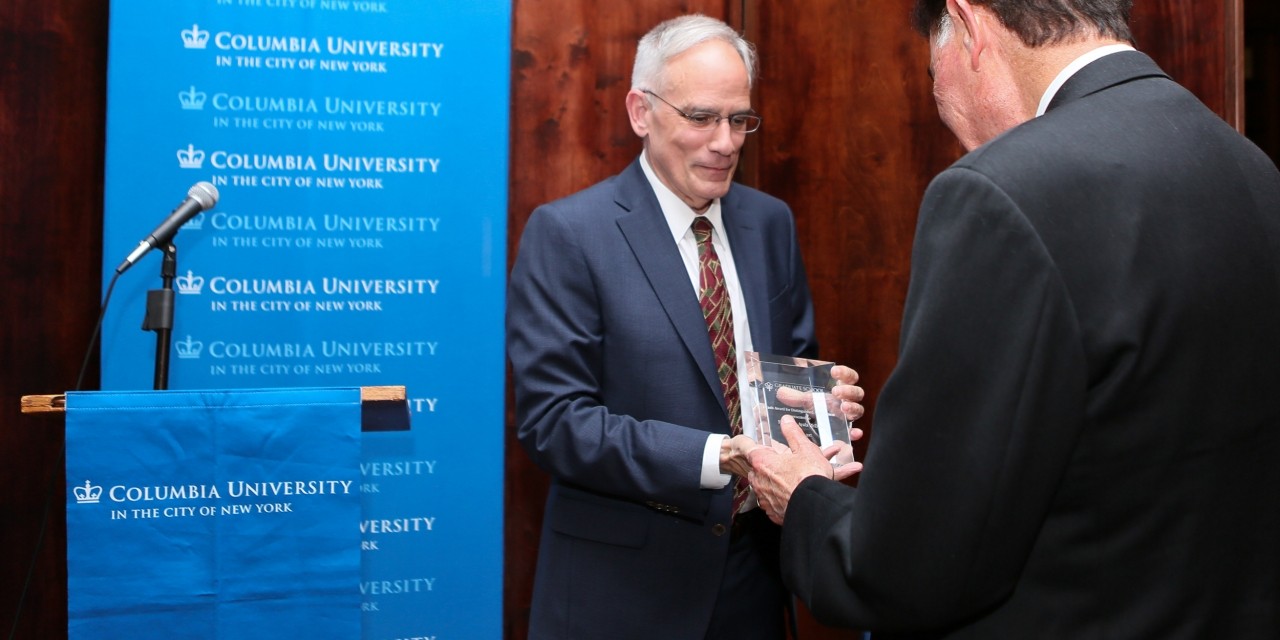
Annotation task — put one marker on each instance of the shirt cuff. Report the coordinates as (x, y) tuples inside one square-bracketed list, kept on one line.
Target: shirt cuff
[(711, 476)]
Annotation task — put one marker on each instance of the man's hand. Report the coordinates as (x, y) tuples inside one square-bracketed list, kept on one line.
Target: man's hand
[(847, 391), (775, 471), (733, 455)]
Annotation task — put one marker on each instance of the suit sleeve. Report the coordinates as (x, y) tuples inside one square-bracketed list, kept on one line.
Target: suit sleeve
[(972, 432), (556, 340)]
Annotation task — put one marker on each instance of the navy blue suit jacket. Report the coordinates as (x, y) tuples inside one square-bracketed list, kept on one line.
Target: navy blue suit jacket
[(616, 392)]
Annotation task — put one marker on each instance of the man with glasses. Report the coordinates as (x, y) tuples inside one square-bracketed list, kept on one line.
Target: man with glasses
[(630, 306)]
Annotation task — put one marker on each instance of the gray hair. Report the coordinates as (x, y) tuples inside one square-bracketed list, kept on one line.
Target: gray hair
[(677, 35), (1041, 22), (942, 35)]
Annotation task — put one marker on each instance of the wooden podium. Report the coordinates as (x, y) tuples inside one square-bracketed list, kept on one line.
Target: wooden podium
[(382, 408)]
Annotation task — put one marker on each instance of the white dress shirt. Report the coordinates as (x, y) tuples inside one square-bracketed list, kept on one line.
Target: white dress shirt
[(1071, 69)]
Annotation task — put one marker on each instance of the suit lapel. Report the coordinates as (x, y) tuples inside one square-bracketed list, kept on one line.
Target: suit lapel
[(1104, 73), (646, 232), (748, 244)]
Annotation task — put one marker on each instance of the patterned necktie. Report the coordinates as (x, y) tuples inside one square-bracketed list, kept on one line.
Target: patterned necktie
[(713, 296)]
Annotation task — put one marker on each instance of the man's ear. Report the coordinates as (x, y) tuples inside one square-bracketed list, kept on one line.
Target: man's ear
[(637, 109), (972, 26)]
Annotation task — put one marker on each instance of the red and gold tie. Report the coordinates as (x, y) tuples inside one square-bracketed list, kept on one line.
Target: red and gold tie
[(713, 296)]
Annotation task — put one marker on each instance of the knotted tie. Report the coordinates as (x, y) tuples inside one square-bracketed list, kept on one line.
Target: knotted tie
[(713, 297)]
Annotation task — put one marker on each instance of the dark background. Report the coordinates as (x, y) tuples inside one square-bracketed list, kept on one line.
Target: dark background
[(851, 138)]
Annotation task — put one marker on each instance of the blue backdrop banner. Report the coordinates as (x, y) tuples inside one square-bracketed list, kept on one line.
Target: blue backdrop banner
[(218, 515), (360, 152)]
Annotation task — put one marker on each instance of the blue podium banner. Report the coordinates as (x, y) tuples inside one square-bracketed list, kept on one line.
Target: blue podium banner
[(213, 514), (360, 152)]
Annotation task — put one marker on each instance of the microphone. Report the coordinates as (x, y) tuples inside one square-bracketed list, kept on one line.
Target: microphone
[(201, 197)]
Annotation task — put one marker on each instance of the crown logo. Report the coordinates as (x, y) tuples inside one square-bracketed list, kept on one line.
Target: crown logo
[(190, 284), (194, 38), (88, 494), (191, 157), (196, 223), (189, 349), (191, 99)]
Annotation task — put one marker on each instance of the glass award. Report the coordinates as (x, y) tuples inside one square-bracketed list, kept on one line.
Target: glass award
[(777, 386)]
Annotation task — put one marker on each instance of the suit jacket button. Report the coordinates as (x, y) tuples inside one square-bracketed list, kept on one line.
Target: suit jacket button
[(718, 529)]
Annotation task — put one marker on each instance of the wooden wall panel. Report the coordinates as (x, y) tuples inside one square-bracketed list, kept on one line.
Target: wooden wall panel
[(1200, 44), (52, 118)]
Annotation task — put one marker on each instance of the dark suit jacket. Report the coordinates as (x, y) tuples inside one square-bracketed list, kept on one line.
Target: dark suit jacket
[(1082, 436), (616, 391)]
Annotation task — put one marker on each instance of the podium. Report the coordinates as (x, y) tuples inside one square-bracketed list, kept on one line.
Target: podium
[(216, 513), (383, 408)]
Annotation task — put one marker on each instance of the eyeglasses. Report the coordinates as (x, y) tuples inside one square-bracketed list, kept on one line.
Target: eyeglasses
[(706, 121)]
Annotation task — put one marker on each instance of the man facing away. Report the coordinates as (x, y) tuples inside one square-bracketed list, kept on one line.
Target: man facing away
[(630, 305), (1081, 438)]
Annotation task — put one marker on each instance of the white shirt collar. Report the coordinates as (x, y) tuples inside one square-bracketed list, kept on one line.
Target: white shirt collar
[(1071, 69), (679, 215)]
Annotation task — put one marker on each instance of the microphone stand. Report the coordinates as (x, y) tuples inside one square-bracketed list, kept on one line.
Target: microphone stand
[(159, 316)]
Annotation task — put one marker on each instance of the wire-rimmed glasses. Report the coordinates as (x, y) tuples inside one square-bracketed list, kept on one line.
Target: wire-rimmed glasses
[(706, 120)]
